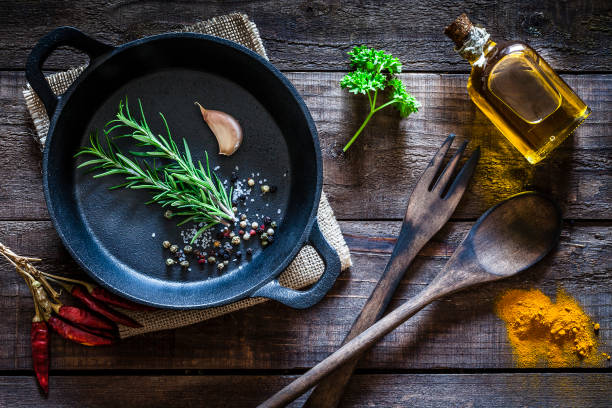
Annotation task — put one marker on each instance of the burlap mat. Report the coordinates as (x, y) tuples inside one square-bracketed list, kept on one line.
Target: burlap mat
[(305, 269)]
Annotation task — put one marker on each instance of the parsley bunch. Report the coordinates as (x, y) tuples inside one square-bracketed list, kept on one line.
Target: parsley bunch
[(376, 71)]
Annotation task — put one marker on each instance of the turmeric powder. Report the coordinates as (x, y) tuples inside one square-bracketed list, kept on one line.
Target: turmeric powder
[(542, 332)]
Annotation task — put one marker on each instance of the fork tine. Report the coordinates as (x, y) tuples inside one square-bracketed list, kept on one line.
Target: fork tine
[(432, 168), (463, 178), (449, 170)]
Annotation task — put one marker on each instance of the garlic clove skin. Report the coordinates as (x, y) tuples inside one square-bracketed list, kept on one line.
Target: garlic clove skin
[(226, 129)]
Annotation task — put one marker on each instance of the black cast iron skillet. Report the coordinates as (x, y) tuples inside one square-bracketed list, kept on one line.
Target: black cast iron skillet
[(112, 234)]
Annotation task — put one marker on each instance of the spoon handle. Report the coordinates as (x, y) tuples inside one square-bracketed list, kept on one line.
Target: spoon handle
[(355, 347)]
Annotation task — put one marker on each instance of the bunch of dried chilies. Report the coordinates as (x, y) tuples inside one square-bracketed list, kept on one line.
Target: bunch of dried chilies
[(94, 325)]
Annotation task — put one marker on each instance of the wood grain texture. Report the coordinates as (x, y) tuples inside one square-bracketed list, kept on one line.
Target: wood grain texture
[(459, 332), (385, 390), (375, 179), (314, 35)]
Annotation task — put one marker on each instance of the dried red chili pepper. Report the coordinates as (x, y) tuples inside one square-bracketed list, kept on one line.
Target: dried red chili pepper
[(76, 334), (105, 296), (113, 335), (39, 340), (98, 307), (82, 317)]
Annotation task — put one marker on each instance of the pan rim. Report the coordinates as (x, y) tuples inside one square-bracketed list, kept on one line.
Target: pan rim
[(283, 81)]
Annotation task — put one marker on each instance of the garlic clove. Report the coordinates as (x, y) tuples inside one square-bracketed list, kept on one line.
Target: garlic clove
[(226, 129)]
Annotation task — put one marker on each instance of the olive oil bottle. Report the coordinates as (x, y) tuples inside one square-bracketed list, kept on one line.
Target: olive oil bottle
[(518, 91)]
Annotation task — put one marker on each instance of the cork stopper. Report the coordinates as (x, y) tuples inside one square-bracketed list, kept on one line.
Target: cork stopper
[(459, 29)]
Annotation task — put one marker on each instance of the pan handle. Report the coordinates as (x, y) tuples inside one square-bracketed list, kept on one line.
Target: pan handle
[(302, 299), (62, 36)]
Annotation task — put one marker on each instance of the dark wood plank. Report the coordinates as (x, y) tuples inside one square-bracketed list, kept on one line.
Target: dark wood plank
[(304, 35), (459, 332), (382, 390), (374, 180)]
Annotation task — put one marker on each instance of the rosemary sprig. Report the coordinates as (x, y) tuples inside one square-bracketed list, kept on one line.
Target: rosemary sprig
[(193, 189)]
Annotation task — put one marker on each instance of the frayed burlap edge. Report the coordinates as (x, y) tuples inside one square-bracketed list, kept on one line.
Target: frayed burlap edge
[(305, 269)]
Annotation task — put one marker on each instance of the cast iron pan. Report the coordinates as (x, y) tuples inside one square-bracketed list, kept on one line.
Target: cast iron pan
[(112, 234)]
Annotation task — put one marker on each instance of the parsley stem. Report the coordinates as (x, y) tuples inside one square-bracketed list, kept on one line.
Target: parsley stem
[(363, 125), (391, 102)]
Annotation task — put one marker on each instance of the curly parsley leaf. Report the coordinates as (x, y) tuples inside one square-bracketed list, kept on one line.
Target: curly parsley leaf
[(376, 70), (363, 81), (406, 103)]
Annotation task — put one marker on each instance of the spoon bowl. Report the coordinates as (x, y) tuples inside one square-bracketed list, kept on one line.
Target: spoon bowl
[(515, 234)]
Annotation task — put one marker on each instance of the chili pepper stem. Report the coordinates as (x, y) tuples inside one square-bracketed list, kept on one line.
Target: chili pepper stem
[(60, 279), (23, 265)]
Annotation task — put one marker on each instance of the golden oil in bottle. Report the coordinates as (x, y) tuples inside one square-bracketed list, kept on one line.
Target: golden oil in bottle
[(518, 91)]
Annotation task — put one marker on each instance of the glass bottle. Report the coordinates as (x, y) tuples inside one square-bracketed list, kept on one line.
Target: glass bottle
[(518, 91)]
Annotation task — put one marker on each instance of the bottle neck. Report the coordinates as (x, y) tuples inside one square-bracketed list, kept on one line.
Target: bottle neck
[(476, 46), (479, 59)]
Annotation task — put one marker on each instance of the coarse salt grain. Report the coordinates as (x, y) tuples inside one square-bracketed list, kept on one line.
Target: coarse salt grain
[(217, 168), (153, 235)]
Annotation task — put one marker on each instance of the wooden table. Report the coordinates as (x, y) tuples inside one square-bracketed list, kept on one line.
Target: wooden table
[(454, 353)]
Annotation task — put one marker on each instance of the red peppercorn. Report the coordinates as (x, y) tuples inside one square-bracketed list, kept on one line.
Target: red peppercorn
[(261, 227), (241, 232), (201, 261), (252, 232)]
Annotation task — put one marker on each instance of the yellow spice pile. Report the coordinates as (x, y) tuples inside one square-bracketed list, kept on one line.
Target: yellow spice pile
[(545, 333)]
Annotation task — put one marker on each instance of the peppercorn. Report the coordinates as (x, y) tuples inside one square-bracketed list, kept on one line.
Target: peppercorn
[(254, 225), (236, 240), (270, 240), (234, 177), (170, 262), (262, 227), (196, 252), (242, 197), (264, 236), (220, 265), (212, 259), (168, 214), (251, 182), (173, 248), (249, 251), (265, 188), (243, 224), (264, 243), (267, 220), (235, 209), (216, 244), (219, 235), (246, 236), (252, 232), (243, 217), (273, 189), (187, 249), (166, 244), (201, 261), (273, 224), (232, 234), (226, 262), (270, 231), (185, 264)]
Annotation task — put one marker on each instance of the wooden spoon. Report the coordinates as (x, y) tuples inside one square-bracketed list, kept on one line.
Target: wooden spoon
[(507, 239)]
